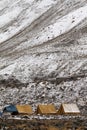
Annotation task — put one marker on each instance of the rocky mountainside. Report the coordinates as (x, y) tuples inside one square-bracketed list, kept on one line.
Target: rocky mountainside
[(43, 51)]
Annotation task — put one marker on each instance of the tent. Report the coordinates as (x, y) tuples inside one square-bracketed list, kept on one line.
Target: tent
[(10, 109), (46, 109), (24, 109), (68, 109)]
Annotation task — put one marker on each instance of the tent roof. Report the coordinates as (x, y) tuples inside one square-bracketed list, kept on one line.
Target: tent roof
[(24, 109), (68, 108), (46, 109), (10, 108)]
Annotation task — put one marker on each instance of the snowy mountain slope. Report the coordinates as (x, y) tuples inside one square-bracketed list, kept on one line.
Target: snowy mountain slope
[(27, 27), (44, 38)]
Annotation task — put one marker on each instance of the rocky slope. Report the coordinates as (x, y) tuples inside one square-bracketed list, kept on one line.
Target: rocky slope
[(43, 41)]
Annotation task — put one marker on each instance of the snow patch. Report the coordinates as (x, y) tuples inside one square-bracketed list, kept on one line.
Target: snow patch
[(8, 70), (61, 26), (7, 17)]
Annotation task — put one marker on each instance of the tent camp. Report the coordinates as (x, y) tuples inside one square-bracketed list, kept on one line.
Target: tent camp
[(24, 109), (10, 109), (68, 109), (46, 109)]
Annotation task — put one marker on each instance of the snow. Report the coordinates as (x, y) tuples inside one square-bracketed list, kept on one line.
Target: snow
[(7, 17), (45, 3), (32, 13), (29, 1), (3, 3), (8, 70), (60, 27)]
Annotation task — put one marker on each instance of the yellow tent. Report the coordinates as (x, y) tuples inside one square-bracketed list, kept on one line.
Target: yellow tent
[(24, 109), (68, 109), (46, 109)]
